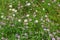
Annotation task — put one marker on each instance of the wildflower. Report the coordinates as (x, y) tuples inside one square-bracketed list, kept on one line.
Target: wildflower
[(14, 10), (43, 9), (30, 19), (59, 5), (53, 38), (46, 16), (13, 14), (26, 23), (43, 1), (25, 20), (49, 4), (17, 36), (36, 21), (10, 9), (27, 15), (10, 6), (28, 4), (2, 16), (19, 20)]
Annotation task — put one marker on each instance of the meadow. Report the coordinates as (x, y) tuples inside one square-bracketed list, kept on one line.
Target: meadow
[(29, 19)]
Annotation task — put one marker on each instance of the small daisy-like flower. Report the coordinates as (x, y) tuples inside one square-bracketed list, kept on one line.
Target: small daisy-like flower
[(26, 23), (28, 4), (46, 16), (10, 9), (36, 32), (26, 27), (19, 20), (54, 0), (17, 36), (36, 10), (21, 6), (26, 1), (25, 34), (43, 9), (41, 19), (10, 6), (14, 10), (25, 20), (42, 39), (3, 38), (48, 20), (49, 4), (42, 25), (30, 19), (50, 35), (54, 33), (45, 29), (43, 1), (36, 21), (27, 15), (13, 14), (59, 5), (48, 30), (6, 39), (34, 15), (2, 16)]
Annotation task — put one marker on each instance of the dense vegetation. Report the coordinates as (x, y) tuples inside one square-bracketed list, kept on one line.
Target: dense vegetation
[(29, 19)]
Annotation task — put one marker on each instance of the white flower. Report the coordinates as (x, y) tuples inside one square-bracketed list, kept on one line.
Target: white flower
[(14, 10), (10, 6), (49, 4), (59, 5), (17, 35), (50, 35), (54, 33), (48, 30), (19, 20), (45, 29), (30, 19), (43, 9), (46, 16), (43, 1), (25, 20), (26, 23), (54, 0), (3, 38), (41, 19), (36, 21), (2, 16), (25, 34), (13, 14), (10, 9), (27, 15), (28, 4)]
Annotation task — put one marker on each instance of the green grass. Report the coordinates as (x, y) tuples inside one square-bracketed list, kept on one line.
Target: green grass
[(29, 19)]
